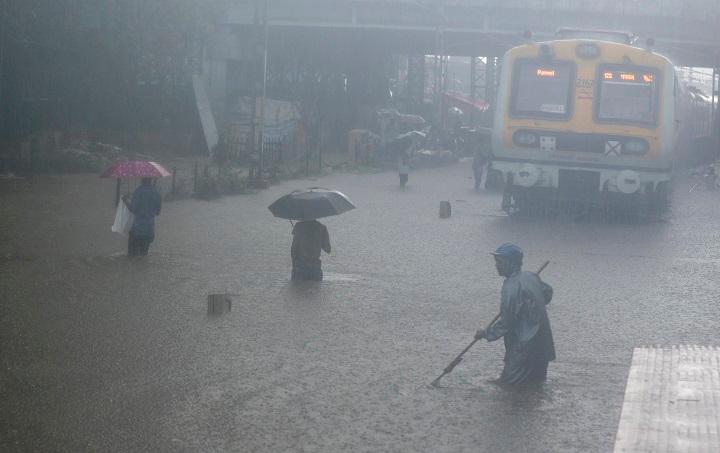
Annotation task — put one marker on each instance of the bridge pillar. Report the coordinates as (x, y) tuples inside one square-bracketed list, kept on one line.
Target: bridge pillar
[(416, 83), (476, 79), (491, 80)]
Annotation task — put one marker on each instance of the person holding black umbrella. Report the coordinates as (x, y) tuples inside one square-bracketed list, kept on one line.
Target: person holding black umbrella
[(310, 237)]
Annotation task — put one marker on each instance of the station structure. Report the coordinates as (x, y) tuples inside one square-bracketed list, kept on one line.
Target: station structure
[(343, 58)]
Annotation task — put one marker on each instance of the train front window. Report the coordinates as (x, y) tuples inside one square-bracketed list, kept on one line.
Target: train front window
[(542, 89), (627, 95)]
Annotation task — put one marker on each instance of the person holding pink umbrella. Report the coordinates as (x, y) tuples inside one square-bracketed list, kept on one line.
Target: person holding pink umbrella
[(145, 205)]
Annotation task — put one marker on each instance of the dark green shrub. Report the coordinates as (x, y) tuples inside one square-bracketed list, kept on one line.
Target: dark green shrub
[(232, 183), (207, 188)]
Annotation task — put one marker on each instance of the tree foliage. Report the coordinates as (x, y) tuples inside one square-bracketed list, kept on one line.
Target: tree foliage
[(97, 63)]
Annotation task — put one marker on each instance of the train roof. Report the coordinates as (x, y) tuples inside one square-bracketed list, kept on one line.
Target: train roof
[(632, 51), (618, 36)]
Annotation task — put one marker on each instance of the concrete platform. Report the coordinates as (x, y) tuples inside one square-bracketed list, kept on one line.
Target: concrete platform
[(672, 401)]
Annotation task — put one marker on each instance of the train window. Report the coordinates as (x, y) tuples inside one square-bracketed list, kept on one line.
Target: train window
[(542, 89), (627, 94)]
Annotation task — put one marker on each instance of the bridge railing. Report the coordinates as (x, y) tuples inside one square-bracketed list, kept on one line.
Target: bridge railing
[(428, 11), (685, 30)]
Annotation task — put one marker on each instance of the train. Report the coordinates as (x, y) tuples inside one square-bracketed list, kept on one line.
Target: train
[(592, 121)]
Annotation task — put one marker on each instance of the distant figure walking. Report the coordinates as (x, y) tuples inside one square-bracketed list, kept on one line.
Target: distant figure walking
[(523, 321), (480, 160), (404, 166), (145, 206), (310, 237)]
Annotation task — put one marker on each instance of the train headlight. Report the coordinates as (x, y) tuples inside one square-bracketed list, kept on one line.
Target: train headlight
[(526, 176), (635, 147), (526, 139), (628, 182)]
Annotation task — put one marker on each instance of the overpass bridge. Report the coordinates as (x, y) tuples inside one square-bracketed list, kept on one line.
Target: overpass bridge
[(344, 46), (687, 31)]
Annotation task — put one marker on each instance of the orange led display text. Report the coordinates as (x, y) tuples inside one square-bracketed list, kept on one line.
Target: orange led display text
[(546, 73)]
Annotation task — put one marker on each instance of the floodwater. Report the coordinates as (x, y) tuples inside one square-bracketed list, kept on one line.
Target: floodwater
[(104, 353)]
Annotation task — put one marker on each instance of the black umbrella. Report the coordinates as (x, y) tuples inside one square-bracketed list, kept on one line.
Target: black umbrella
[(310, 204)]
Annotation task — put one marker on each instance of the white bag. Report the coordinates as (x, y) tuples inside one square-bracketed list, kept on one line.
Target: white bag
[(123, 219)]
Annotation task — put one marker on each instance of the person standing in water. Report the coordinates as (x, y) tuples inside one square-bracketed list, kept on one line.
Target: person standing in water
[(310, 238), (404, 165), (523, 322), (145, 205)]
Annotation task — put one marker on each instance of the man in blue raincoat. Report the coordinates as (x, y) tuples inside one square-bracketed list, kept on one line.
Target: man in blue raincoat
[(523, 321), (145, 205)]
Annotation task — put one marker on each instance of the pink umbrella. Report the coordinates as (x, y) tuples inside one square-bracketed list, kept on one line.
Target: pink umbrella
[(135, 169)]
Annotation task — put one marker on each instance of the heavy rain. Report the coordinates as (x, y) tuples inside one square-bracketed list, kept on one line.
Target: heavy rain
[(359, 226)]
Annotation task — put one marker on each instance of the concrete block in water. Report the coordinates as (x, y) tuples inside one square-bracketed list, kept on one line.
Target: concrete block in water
[(445, 209), (218, 304)]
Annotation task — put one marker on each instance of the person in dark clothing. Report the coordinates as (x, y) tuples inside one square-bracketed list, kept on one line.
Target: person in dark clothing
[(480, 160), (145, 205), (310, 237), (523, 322), (404, 167)]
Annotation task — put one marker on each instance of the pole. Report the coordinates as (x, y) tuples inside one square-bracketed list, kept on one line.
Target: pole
[(261, 131), (714, 113), (2, 76), (473, 90), (443, 68), (459, 358), (714, 90)]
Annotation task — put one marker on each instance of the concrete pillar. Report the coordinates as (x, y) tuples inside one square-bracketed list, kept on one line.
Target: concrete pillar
[(473, 89), (492, 72)]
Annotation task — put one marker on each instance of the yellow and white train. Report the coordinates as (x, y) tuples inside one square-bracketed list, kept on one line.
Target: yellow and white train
[(590, 120)]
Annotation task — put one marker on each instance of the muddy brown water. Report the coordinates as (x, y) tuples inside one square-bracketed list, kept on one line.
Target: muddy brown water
[(99, 352)]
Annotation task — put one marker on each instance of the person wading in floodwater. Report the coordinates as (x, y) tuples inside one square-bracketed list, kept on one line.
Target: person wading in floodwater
[(523, 321), (404, 165), (309, 238), (145, 205)]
